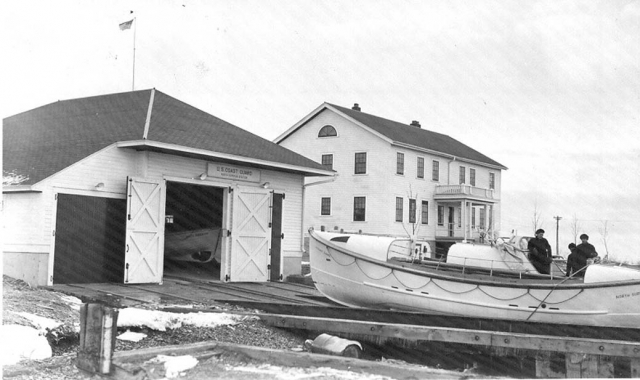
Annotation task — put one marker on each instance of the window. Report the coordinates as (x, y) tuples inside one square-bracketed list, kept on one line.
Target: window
[(492, 181), (425, 212), (420, 164), (435, 171), (459, 217), (462, 175), (327, 131), (441, 215), (472, 177), (325, 207), (361, 163), (327, 161), (483, 214), (359, 208), (412, 210), (400, 164), (473, 217), (399, 203)]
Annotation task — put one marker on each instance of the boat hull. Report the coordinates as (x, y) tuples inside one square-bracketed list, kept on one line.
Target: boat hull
[(355, 280)]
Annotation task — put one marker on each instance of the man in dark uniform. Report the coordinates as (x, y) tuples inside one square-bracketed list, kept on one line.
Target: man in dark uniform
[(540, 252), (574, 263), (585, 250)]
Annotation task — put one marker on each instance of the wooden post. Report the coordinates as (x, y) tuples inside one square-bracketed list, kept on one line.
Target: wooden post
[(98, 328), (589, 366), (543, 366)]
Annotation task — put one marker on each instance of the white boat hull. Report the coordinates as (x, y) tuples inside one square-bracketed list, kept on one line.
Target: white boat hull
[(201, 245), (356, 280)]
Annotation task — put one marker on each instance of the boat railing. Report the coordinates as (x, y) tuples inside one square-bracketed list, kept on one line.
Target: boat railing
[(473, 263)]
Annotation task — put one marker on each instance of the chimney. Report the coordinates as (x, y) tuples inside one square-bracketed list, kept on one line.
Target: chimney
[(355, 107), (415, 123)]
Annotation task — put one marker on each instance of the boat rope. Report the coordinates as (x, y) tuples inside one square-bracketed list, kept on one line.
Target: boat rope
[(554, 288)]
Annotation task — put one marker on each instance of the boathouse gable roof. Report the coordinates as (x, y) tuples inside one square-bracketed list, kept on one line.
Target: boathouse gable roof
[(402, 134), (43, 141)]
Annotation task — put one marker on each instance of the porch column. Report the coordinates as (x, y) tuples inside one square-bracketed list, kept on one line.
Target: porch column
[(463, 217), (470, 213)]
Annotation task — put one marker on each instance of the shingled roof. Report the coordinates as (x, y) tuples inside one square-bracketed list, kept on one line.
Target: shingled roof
[(45, 140), (405, 134)]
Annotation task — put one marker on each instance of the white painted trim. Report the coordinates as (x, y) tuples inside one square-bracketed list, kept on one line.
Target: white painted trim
[(88, 193), (196, 181), (217, 155), (148, 120)]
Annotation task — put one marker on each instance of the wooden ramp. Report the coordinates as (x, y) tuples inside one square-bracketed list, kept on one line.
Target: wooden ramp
[(181, 291)]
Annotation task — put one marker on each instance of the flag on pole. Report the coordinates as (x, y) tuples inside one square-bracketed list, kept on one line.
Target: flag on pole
[(126, 25)]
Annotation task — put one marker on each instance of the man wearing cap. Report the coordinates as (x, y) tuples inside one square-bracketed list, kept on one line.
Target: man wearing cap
[(540, 252), (585, 250), (575, 263)]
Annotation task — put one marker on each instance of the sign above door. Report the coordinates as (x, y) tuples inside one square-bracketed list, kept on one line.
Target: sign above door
[(233, 172)]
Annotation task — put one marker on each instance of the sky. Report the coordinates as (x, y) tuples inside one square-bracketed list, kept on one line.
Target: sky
[(550, 89)]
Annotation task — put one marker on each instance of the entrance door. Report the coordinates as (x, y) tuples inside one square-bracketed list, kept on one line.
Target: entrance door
[(144, 251), (250, 235), (275, 272)]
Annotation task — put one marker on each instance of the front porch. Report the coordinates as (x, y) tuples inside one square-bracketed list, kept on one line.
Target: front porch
[(465, 213)]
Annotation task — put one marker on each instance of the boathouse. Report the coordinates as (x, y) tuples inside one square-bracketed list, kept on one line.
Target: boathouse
[(395, 178), (92, 187)]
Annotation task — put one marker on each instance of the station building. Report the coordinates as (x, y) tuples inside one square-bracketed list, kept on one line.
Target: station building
[(395, 178)]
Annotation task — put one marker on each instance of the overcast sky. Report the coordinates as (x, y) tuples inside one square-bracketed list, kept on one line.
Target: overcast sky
[(550, 89)]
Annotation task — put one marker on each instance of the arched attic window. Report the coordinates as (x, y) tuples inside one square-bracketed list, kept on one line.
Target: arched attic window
[(327, 131)]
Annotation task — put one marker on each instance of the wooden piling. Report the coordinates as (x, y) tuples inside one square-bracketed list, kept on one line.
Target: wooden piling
[(98, 328)]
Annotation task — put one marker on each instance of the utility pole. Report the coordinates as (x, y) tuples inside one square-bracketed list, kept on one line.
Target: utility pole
[(557, 218)]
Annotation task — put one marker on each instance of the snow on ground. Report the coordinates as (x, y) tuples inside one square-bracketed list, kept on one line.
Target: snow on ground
[(30, 342)]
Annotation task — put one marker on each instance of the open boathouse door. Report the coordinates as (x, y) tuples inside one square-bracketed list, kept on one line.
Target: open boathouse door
[(144, 249), (247, 258)]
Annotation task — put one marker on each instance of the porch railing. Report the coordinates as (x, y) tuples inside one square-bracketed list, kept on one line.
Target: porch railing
[(464, 190)]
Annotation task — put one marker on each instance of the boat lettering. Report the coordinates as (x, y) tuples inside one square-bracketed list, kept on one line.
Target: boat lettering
[(628, 295)]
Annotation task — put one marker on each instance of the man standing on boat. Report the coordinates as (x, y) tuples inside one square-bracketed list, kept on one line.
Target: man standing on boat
[(585, 250), (540, 252)]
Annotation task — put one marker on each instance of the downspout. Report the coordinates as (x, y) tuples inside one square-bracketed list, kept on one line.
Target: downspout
[(304, 193)]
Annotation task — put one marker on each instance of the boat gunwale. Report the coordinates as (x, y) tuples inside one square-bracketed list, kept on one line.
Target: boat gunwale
[(555, 285)]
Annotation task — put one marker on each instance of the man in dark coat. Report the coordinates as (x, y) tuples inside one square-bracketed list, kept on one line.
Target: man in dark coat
[(575, 263), (540, 252), (585, 250)]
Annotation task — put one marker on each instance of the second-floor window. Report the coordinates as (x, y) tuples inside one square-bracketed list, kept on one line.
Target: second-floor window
[(400, 164), (325, 206), (441, 215), (359, 208), (327, 161), (463, 175), (399, 203), (420, 164), (435, 171), (425, 212), (472, 177), (361, 163), (412, 210), (492, 181)]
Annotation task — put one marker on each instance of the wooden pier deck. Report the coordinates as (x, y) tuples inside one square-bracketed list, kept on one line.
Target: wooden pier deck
[(584, 351)]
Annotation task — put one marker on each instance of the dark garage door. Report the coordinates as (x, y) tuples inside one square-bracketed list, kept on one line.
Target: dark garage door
[(90, 239)]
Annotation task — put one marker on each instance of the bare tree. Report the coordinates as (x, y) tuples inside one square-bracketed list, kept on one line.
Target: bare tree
[(575, 228), (415, 225), (536, 216), (604, 235)]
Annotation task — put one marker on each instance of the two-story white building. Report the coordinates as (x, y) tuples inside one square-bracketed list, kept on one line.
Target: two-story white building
[(394, 178)]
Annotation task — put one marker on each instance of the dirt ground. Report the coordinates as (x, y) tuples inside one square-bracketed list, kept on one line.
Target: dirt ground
[(18, 296)]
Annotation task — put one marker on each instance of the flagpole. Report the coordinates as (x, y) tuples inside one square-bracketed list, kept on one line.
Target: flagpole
[(135, 28)]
